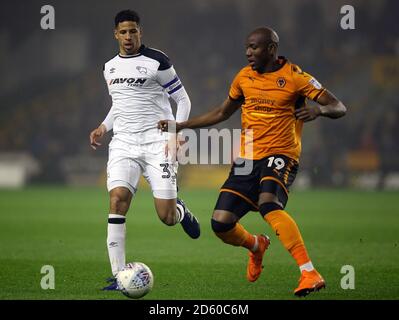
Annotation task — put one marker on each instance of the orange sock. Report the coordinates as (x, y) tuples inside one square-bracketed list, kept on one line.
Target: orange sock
[(238, 236), (288, 232)]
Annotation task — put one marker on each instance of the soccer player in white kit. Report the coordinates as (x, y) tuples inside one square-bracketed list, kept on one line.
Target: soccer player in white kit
[(140, 81)]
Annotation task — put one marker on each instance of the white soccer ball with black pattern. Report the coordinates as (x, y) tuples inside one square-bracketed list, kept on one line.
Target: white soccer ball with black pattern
[(135, 280)]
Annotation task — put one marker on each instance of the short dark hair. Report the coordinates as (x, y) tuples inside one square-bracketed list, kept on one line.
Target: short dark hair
[(127, 15)]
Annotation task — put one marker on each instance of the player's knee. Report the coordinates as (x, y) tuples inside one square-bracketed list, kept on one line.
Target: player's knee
[(221, 227), (267, 207)]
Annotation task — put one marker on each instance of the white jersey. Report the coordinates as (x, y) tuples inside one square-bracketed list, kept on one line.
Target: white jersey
[(140, 86)]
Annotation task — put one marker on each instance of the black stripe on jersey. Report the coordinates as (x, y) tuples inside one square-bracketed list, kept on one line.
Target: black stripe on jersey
[(175, 89), (318, 95), (129, 56), (163, 59), (175, 79)]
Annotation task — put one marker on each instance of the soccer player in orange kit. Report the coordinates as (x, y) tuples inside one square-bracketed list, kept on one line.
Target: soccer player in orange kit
[(271, 93)]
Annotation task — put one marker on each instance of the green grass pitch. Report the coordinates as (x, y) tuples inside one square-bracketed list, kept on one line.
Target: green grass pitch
[(66, 228)]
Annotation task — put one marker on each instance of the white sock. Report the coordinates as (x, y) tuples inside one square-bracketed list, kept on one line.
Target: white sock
[(256, 244), (308, 266), (179, 213), (116, 242)]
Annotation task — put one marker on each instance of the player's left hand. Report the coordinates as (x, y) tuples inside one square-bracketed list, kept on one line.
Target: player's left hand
[(308, 113), (173, 146)]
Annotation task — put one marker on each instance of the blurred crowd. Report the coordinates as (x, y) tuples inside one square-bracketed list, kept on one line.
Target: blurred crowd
[(54, 92)]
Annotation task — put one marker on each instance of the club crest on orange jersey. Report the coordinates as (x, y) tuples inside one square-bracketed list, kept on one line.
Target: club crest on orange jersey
[(280, 82)]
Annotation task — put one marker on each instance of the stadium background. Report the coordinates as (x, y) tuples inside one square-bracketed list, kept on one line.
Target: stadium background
[(52, 91)]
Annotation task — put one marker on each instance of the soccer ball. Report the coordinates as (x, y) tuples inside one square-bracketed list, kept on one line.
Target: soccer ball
[(135, 280)]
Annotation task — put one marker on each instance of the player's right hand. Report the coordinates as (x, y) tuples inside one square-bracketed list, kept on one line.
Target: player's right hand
[(96, 135)]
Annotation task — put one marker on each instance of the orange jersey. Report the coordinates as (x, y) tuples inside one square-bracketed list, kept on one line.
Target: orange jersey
[(269, 100)]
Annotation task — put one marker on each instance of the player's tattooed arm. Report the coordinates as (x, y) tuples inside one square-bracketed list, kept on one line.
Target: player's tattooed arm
[(328, 106), (219, 114)]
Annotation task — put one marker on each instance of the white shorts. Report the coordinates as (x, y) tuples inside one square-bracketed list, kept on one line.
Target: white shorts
[(128, 161)]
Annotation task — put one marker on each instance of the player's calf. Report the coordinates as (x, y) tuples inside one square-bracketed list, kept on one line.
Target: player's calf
[(233, 234), (223, 231), (169, 219), (166, 210), (120, 199)]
